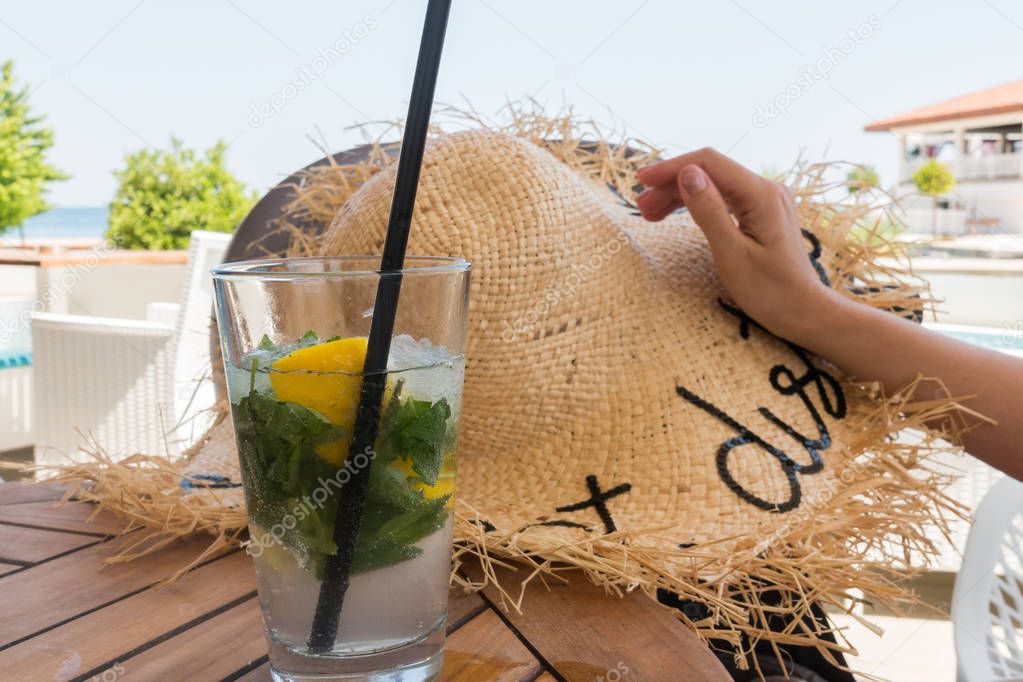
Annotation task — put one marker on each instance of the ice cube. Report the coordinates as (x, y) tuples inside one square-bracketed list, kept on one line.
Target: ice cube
[(240, 378), (407, 353), (429, 372)]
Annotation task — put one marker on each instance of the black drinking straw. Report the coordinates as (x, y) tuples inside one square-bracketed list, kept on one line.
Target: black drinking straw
[(337, 569)]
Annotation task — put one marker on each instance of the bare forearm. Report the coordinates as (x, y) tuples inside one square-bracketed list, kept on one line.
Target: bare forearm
[(873, 345)]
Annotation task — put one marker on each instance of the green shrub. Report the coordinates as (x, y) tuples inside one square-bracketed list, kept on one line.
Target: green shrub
[(163, 195), (24, 142), (861, 178), (934, 178)]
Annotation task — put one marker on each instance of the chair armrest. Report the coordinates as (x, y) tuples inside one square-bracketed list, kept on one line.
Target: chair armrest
[(106, 377), (108, 325)]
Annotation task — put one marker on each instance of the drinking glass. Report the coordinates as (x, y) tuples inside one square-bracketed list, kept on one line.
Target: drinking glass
[(294, 337)]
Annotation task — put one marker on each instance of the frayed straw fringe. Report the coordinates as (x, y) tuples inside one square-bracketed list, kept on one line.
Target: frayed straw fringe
[(146, 491), (870, 534), (867, 534)]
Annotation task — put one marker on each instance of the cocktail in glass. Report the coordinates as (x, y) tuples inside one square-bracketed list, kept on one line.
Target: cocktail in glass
[(294, 338)]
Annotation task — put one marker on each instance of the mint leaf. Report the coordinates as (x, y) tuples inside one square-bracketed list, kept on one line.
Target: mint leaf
[(384, 445), (277, 443), (278, 420), (266, 344), (390, 486), (418, 432), (416, 524), (388, 535), (380, 552), (317, 534)]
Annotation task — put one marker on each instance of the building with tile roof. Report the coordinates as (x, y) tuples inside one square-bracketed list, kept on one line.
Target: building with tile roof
[(980, 137)]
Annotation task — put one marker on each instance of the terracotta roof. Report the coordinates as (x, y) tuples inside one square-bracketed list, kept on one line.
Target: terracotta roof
[(996, 100)]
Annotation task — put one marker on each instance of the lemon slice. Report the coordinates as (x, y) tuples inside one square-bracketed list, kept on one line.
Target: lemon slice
[(445, 482), (325, 378)]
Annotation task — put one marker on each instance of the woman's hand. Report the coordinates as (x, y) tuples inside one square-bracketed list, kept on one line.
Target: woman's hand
[(763, 259)]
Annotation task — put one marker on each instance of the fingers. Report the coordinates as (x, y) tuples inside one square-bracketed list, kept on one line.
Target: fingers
[(708, 209), (656, 203), (734, 181)]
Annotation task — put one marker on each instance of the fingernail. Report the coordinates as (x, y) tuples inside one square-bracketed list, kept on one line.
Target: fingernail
[(693, 179)]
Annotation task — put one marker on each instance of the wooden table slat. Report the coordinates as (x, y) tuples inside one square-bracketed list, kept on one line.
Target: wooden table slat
[(633, 635), (462, 607), (260, 674), (32, 545), (211, 650), (18, 493), (72, 517), (485, 649), (50, 593), (100, 637)]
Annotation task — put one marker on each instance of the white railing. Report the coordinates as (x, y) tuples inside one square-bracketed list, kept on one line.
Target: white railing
[(990, 167)]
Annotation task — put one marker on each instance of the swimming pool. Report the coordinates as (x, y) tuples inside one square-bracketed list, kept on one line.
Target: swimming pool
[(15, 335)]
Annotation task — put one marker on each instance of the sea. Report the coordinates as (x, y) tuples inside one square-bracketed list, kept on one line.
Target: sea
[(65, 222)]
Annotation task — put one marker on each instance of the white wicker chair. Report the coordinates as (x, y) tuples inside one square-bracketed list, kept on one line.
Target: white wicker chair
[(987, 603), (132, 385)]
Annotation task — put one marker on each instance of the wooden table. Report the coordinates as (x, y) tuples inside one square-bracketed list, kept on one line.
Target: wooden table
[(65, 618)]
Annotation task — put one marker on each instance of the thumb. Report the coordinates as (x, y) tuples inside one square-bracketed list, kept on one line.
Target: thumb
[(707, 207)]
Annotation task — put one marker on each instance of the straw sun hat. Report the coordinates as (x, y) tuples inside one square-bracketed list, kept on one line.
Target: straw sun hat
[(620, 414)]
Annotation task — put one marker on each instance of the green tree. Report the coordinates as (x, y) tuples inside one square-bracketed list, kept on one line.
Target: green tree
[(861, 178), (934, 179), (162, 195), (24, 142)]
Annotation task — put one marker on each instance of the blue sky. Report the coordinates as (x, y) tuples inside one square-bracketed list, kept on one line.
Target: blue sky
[(114, 76)]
